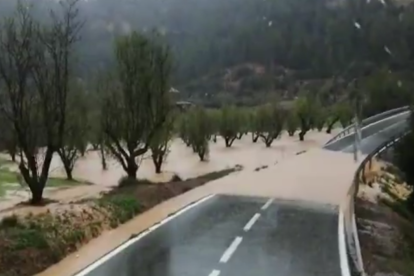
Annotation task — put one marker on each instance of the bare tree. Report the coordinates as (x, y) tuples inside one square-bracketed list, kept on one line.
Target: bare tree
[(35, 69), (136, 104)]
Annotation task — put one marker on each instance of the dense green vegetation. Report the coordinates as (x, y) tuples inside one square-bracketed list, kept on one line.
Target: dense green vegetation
[(245, 52)]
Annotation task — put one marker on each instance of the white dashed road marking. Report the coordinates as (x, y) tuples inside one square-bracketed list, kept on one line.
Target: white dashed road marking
[(237, 241), (214, 273), (230, 250), (267, 204), (251, 222)]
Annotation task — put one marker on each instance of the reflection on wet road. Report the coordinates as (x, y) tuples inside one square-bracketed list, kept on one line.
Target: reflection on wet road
[(236, 236)]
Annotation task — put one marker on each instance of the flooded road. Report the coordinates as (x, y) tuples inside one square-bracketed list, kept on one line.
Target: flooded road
[(234, 236)]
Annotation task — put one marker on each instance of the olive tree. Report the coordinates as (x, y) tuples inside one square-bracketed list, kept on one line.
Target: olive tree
[(252, 124), (345, 114), (270, 121), (136, 101), (243, 117), (306, 112), (229, 124), (182, 125), (320, 117), (215, 123), (199, 131), (332, 117), (292, 122)]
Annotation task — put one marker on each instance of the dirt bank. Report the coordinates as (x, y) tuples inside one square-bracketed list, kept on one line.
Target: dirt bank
[(385, 225)]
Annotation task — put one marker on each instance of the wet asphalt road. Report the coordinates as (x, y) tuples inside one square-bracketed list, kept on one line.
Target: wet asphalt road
[(236, 236)]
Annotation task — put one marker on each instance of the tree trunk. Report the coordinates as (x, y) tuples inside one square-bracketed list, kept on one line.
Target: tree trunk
[(103, 158), (201, 154), (302, 135), (158, 168), (132, 168), (13, 155), (229, 141), (255, 137), (291, 132), (157, 160), (36, 188), (37, 194), (215, 138), (330, 127), (67, 163), (68, 170)]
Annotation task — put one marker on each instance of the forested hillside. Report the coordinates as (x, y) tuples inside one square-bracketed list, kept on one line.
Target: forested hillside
[(247, 51)]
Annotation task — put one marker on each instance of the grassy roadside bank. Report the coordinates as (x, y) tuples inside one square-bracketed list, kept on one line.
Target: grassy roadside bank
[(30, 244)]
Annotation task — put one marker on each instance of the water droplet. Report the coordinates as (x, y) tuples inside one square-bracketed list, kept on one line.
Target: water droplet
[(270, 23), (387, 50), (356, 24)]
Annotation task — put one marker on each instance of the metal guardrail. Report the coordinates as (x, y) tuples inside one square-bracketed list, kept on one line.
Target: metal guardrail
[(351, 232), (373, 119)]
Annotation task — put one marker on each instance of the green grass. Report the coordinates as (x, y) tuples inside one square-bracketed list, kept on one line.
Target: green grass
[(4, 162), (8, 178)]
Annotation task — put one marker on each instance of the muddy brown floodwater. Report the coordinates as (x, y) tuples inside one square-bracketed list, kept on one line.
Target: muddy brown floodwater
[(181, 160)]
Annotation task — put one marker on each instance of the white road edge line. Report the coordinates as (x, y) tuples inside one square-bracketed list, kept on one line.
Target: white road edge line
[(251, 222), (230, 250), (123, 246), (267, 204), (343, 256), (214, 273)]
